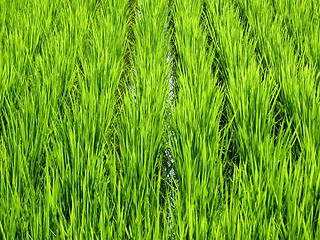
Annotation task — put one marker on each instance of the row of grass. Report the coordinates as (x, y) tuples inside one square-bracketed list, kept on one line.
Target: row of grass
[(195, 129), (297, 105), (169, 119)]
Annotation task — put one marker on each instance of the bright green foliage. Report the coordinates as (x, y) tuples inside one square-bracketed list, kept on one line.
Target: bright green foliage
[(168, 119), (195, 125)]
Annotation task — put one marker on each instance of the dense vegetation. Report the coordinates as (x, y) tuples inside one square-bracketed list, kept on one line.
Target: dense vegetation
[(167, 119)]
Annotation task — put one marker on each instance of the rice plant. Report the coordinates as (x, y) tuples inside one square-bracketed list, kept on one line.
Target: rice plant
[(169, 119)]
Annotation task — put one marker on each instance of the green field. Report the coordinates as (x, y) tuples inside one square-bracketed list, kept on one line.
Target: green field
[(167, 119)]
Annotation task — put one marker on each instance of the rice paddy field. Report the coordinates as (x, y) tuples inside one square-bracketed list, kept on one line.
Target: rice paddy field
[(167, 119)]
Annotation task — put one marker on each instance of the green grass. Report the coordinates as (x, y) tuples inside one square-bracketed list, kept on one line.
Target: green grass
[(169, 119)]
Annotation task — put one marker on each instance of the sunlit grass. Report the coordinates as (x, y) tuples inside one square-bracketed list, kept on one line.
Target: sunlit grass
[(160, 119)]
